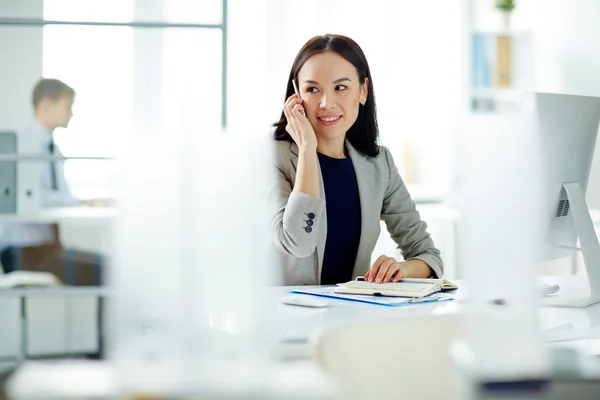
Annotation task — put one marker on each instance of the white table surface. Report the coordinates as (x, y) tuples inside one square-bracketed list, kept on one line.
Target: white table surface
[(58, 291), (291, 327), (58, 214)]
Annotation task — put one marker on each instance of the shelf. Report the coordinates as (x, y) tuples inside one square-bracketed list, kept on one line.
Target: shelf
[(503, 32), (497, 93), (493, 90), (495, 99), (500, 70)]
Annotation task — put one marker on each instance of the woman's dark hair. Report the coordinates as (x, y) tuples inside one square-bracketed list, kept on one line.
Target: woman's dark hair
[(364, 134)]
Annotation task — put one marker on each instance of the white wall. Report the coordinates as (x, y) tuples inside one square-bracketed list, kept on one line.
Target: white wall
[(20, 62), (247, 67), (568, 58)]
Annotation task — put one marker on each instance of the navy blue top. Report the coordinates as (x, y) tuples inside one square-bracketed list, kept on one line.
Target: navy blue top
[(343, 219)]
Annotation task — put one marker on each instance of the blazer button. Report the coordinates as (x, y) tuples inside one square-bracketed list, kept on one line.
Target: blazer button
[(310, 222), (308, 229), (311, 215)]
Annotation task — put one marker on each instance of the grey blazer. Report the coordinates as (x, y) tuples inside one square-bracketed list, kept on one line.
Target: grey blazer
[(383, 196)]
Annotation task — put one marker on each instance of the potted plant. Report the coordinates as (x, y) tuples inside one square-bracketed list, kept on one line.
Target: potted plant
[(505, 7)]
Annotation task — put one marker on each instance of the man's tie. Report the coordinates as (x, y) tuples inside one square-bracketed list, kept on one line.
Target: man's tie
[(53, 179)]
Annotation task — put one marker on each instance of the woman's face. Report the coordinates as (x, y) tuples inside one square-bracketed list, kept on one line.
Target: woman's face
[(332, 94)]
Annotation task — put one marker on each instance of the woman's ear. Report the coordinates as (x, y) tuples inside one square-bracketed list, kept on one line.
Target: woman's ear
[(364, 91)]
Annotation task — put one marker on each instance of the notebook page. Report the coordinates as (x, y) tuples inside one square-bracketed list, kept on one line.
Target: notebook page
[(403, 286)]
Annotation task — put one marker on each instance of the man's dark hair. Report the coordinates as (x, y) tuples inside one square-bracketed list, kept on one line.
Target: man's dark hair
[(50, 88)]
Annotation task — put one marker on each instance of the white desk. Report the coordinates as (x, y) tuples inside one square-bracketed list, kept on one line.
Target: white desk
[(422, 194), (291, 326), (59, 214), (82, 228)]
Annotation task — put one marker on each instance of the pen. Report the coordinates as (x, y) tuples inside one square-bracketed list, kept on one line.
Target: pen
[(297, 92), (424, 299), (295, 88)]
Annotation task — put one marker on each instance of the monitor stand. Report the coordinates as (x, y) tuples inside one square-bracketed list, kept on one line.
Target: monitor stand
[(590, 249)]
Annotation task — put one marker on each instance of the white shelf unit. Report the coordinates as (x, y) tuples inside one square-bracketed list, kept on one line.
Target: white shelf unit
[(500, 59)]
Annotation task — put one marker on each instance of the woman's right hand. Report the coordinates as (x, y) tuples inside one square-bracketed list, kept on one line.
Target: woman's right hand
[(298, 126)]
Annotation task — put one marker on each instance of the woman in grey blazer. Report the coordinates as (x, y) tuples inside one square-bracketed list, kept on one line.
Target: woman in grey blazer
[(335, 182)]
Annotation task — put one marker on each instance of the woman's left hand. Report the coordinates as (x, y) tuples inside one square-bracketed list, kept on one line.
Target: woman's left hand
[(386, 269)]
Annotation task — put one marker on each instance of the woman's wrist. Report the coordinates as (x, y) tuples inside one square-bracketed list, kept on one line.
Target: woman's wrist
[(307, 150), (415, 269), (307, 174), (405, 269)]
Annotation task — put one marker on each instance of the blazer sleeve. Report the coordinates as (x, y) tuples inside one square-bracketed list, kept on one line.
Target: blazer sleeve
[(292, 232), (404, 222)]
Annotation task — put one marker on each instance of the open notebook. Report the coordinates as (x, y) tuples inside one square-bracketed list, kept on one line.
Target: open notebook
[(405, 288)]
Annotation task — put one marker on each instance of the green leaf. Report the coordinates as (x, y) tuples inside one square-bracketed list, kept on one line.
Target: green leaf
[(505, 5)]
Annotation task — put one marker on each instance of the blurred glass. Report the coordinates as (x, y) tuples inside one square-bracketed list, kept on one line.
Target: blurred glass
[(499, 241), (129, 79), (92, 179), (89, 10), (192, 78), (185, 316), (173, 11), (58, 325), (194, 11), (20, 66), (98, 63)]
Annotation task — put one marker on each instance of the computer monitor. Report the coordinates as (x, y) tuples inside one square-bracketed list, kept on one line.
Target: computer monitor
[(566, 128)]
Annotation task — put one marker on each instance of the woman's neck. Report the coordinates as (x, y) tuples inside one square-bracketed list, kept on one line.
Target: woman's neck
[(332, 148)]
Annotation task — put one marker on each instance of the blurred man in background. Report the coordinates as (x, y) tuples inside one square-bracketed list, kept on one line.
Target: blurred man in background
[(36, 246)]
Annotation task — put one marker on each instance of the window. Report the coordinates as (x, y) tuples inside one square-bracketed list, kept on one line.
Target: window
[(136, 66)]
